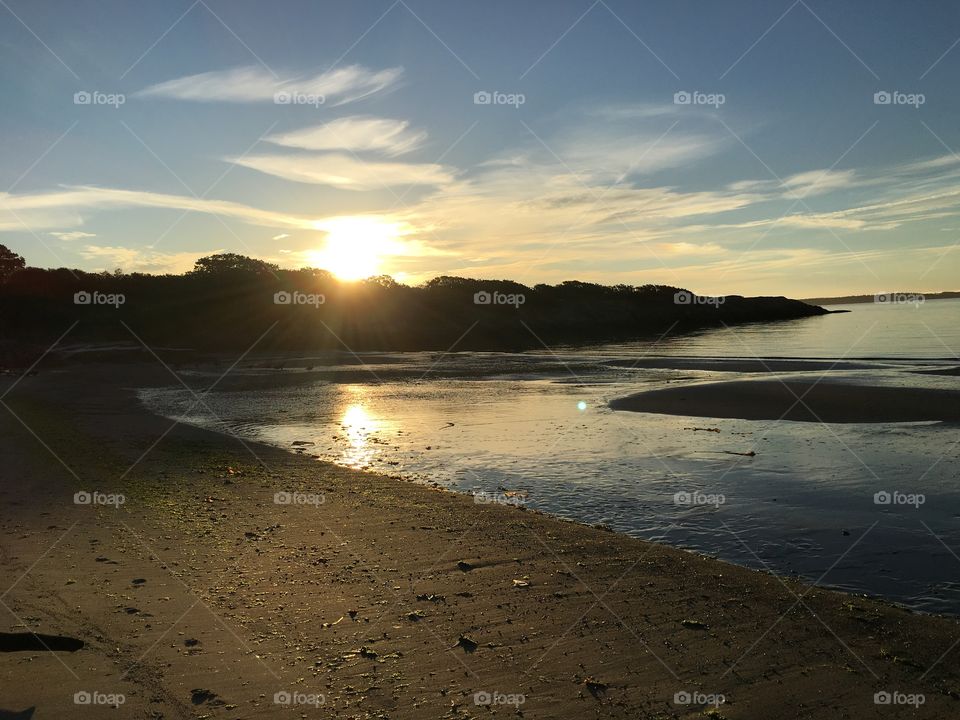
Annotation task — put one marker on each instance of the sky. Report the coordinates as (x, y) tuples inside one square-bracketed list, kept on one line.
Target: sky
[(763, 147)]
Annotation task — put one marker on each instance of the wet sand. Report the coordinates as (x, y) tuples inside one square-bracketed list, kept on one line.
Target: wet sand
[(201, 596), (803, 401)]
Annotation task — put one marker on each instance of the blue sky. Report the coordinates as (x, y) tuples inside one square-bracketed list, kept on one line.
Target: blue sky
[(783, 175)]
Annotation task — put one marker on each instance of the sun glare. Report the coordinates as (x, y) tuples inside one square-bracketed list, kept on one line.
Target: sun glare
[(356, 247)]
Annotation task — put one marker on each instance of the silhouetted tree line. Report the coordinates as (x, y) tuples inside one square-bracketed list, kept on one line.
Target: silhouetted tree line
[(228, 301)]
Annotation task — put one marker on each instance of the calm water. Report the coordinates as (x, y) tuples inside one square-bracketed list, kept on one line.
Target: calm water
[(538, 423), (930, 330)]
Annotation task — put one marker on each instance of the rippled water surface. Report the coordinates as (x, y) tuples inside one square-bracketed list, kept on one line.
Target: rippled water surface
[(538, 424)]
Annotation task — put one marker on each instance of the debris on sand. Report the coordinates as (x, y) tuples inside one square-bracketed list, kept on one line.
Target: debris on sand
[(468, 644), (521, 583), (595, 687), (700, 429), (202, 696), (695, 624), (432, 598)]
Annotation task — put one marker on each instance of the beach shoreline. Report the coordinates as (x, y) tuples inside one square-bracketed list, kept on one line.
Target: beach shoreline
[(371, 592)]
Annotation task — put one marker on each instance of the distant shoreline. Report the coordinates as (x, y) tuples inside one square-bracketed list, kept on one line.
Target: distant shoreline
[(857, 299)]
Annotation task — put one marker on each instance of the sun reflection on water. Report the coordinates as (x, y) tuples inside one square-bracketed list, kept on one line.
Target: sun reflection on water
[(360, 428)]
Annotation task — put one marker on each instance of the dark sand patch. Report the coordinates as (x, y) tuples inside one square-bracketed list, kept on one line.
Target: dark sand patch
[(740, 364), (952, 372), (819, 402)]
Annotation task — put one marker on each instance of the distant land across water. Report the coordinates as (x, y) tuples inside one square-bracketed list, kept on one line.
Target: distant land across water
[(851, 299)]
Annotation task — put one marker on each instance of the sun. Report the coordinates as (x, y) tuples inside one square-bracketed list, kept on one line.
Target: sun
[(355, 247)]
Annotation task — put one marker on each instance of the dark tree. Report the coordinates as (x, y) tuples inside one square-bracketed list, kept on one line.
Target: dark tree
[(234, 303), (232, 263), (10, 263)]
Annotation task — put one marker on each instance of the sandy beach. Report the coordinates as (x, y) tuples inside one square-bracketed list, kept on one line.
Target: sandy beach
[(355, 595)]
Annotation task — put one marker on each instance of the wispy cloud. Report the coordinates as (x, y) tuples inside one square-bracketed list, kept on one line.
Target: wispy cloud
[(345, 171), (251, 84), (142, 260), (65, 208), (691, 249), (806, 184), (72, 235), (356, 134)]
